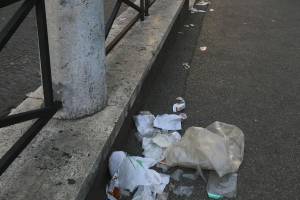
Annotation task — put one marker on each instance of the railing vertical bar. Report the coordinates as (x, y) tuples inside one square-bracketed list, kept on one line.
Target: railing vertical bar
[(142, 12), (44, 53), (112, 17), (147, 6)]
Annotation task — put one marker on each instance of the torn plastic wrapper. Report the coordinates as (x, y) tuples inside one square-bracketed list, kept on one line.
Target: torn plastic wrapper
[(180, 105), (186, 65), (152, 150), (219, 147), (133, 171), (149, 192), (112, 190), (167, 139), (159, 189), (140, 137), (170, 122), (144, 124), (219, 187), (155, 147)]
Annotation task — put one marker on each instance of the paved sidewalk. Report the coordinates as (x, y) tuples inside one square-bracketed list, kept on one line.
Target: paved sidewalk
[(250, 77)]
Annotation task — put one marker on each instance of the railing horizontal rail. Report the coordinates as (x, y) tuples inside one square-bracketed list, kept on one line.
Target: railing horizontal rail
[(24, 116), (24, 140), (4, 3), (15, 22)]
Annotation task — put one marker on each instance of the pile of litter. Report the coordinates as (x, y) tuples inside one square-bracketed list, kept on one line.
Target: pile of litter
[(218, 148)]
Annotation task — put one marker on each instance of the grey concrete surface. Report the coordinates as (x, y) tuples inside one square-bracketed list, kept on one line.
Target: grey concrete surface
[(62, 161), (19, 62), (77, 56), (250, 77)]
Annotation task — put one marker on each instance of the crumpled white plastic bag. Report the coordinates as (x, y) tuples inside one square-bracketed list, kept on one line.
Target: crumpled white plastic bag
[(133, 171), (167, 139), (149, 192), (152, 150), (219, 147), (115, 160), (144, 124)]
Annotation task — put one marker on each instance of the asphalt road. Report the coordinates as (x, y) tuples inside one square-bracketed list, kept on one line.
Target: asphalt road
[(19, 61), (249, 76)]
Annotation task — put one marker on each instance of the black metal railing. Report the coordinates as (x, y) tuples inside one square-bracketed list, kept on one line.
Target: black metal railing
[(43, 115), (142, 9)]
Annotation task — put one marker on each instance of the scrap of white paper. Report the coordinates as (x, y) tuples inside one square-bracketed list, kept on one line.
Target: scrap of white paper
[(202, 3), (170, 122), (195, 10), (186, 65), (204, 48)]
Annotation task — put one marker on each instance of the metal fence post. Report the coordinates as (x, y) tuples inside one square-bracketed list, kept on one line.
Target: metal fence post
[(147, 5), (44, 53), (142, 13)]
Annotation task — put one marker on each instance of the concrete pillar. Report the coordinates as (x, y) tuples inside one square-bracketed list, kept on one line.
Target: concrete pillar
[(77, 53)]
